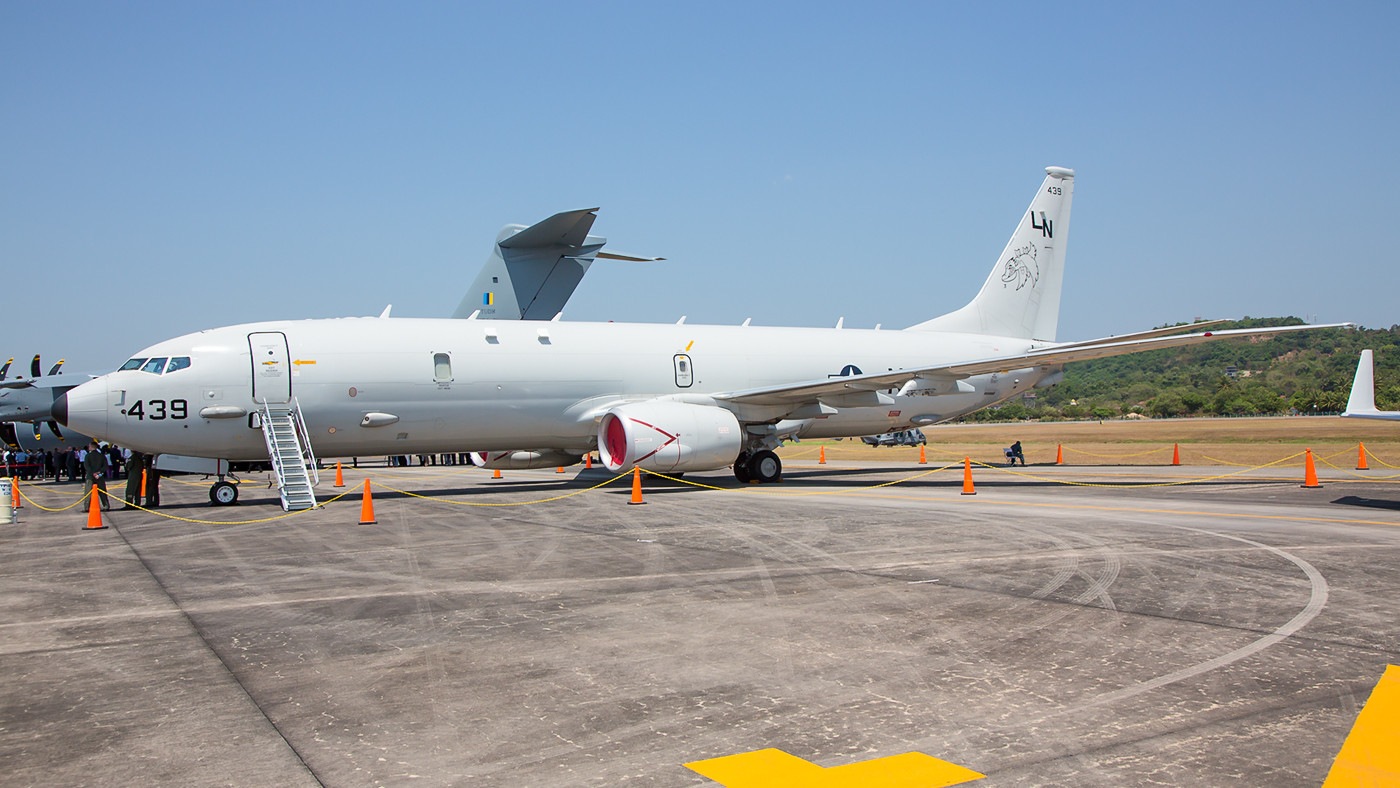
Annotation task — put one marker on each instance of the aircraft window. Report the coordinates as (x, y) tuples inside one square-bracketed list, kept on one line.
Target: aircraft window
[(154, 366), (179, 362), (442, 367), (135, 363)]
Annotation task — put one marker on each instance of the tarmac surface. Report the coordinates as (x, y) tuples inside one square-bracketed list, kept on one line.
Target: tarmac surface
[(1222, 631)]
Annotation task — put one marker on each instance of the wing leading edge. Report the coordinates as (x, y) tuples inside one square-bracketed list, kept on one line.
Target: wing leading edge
[(797, 394)]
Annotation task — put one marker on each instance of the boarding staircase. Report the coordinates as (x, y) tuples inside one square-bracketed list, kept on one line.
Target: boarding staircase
[(290, 450)]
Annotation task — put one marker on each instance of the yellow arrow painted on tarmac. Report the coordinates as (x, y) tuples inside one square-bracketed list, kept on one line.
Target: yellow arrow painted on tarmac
[(776, 769), (1371, 754)]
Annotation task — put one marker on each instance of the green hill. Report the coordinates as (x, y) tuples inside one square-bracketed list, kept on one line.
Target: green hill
[(1307, 372)]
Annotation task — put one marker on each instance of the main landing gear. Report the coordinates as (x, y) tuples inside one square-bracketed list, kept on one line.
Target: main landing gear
[(762, 466)]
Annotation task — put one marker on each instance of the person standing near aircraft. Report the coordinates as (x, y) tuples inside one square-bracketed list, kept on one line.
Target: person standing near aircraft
[(152, 482), (95, 472), (134, 465)]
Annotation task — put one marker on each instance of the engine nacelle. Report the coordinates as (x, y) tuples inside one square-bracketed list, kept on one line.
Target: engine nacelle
[(523, 460), (668, 436)]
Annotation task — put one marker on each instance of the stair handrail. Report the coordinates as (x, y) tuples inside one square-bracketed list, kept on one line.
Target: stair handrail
[(271, 447), (304, 438)]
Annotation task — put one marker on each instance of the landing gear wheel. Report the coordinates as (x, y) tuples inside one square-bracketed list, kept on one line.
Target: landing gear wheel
[(765, 467), (741, 468), (223, 494)]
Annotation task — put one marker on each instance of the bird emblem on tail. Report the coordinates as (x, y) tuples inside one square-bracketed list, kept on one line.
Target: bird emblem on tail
[(1021, 268)]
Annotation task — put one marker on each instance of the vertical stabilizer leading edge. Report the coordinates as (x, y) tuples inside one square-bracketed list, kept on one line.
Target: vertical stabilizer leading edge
[(1021, 297)]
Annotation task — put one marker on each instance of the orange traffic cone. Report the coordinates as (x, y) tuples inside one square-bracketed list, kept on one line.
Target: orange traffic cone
[(143, 485), (367, 507), (821, 457), (1176, 454), (923, 460), (636, 486), (1361, 458), (339, 477), (1059, 454), (496, 474), (1310, 472), (14, 493), (967, 477), (560, 469), (588, 461), (94, 522)]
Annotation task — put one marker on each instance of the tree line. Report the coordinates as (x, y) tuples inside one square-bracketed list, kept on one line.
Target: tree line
[(1306, 372)]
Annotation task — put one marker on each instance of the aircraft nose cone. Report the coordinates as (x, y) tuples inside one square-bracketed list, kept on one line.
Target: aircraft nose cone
[(60, 409), (84, 408)]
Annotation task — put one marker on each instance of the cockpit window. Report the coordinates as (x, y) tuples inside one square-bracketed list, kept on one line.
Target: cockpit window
[(135, 363), (154, 366), (178, 362)]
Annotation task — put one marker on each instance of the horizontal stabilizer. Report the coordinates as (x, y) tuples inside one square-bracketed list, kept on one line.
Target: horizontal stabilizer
[(569, 228), (628, 257)]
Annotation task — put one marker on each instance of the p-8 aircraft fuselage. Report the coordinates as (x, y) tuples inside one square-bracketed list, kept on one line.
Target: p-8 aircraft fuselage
[(395, 385)]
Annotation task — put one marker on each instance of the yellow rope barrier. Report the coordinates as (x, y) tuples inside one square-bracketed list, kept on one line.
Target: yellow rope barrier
[(1140, 484), (1115, 456), (505, 503), (757, 490), (742, 488), (83, 497), (1378, 460), (1352, 472)]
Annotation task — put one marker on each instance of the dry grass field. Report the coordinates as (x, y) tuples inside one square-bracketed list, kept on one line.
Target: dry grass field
[(1245, 441)]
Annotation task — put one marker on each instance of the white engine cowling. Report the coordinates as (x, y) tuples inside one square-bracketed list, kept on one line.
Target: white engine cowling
[(668, 436), (523, 460)]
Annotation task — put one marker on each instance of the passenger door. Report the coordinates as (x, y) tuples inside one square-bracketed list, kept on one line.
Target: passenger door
[(272, 368)]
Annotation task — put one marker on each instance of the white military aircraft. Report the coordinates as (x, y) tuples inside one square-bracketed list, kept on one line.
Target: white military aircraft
[(1362, 402), (667, 398)]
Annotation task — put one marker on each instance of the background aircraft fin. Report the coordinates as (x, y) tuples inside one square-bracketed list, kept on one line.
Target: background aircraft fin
[(1021, 297), (532, 271), (1362, 402)]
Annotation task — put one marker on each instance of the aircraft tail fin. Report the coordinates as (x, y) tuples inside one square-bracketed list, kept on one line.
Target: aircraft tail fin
[(1363, 386), (533, 270), (1021, 297)]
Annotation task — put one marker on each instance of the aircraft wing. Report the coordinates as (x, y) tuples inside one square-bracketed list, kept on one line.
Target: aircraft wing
[(46, 382), (814, 391), (1156, 332)]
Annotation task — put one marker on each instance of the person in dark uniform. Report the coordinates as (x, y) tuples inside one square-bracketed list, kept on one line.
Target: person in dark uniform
[(1017, 454), (95, 472), (152, 482), (134, 465)]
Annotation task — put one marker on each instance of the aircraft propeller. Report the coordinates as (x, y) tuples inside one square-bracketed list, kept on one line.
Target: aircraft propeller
[(35, 369), (6, 368)]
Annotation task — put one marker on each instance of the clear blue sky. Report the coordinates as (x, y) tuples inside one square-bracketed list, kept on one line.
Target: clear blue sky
[(174, 166)]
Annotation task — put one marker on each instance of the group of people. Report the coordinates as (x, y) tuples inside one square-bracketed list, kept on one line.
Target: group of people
[(43, 465), (94, 465)]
